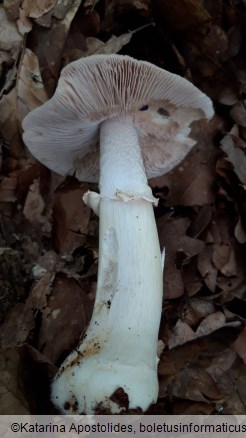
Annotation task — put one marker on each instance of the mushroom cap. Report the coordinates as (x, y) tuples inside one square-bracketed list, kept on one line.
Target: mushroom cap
[(63, 133)]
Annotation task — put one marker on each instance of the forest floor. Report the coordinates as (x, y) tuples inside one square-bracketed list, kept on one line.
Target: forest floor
[(49, 239)]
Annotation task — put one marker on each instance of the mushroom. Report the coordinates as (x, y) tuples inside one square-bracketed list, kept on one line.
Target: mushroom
[(142, 117)]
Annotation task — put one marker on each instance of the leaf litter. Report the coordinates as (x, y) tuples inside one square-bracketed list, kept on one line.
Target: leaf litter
[(48, 238)]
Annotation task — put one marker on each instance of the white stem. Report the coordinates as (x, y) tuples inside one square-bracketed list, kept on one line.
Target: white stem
[(120, 345), (121, 164)]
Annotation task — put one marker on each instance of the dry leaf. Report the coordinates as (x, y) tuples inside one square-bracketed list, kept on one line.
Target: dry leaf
[(238, 113), (191, 279), (185, 407), (196, 310), (113, 45), (8, 190), (12, 8), (173, 237), (192, 182), (232, 385), (195, 384), (12, 398), (172, 361), (71, 218), (195, 17), (37, 8), (53, 40), (182, 332), (18, 326), (201, 221), (30, 89), (34, 205), (63, 320), (239, 231), (207, 268), (8, 120), (236, 157), (240, 345), (10, 38)]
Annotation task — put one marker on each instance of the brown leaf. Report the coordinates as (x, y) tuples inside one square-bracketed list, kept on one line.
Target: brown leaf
[(174, 360), (36, 9), (195, 17), (196, 310), (113, 45), (30, 89), (191, 279), (12, 8), (240, 345), (9, 123), (185, 407), (18, 326), (219, 363), (12, 398), (53, 40), (192, 182), (24, 23), (173, 237), (63, 320), (10, 38), (8, 189), (35, 374), (238, 113), (233, 387), (71, 219), (239, 231), (207, 268), (12, 279), (34, 205), (182, 332), (201, 221), (195, 384), (235, 156)]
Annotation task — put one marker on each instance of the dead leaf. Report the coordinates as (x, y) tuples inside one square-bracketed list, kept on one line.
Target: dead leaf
[(12, 8), (238, 113), (63, 320), (196, 16), (53, 39), (191, 279), (239, 231), (114, 44), (12, 398), (35, 9), (207, 268), (232, 385), (9, 124), (196, 310), (173, 237), (192, 182), (235, 156), (10, 38), (24, 23), (18, 326), (182, 332), (233, 286), (30, 88), (71, 218), (240, 345), (8, 188), (185, 407), (201, 221), (34, 205), (174, 360), (194, 383), (12, 279)]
